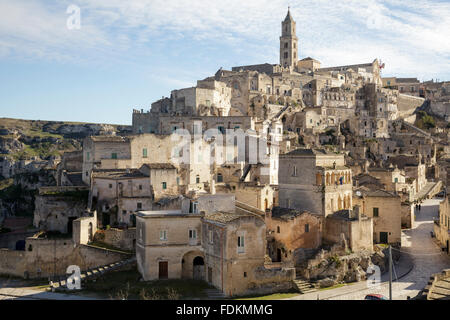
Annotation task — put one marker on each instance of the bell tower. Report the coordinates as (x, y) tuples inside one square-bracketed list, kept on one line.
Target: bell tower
[(288, 42)]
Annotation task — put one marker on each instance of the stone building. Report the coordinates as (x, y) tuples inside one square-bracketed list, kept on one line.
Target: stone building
[(211, 240), (98, 148), (168, 245), (291, 233), (235, 246), (350, 226), (57, 207), (385, 209), (442, 225), (314, 180)]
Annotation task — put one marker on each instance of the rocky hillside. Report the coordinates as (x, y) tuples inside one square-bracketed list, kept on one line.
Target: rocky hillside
[(29, 154), (28, 139)]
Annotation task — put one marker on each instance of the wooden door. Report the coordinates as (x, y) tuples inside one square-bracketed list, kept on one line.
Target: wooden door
[(383, 237), (163, 270)]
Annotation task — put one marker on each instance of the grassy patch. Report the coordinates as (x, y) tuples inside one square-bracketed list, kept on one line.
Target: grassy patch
[(79, 195), (6, 183), (126, 285), (274, 296)]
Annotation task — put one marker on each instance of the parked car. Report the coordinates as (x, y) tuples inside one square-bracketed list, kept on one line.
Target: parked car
[(375, 297)]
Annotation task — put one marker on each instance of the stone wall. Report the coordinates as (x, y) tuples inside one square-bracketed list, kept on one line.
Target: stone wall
[(11, 262), (54, 212), (9, 240), (122, 239), (47, 257), (408, 104), (408, 216)]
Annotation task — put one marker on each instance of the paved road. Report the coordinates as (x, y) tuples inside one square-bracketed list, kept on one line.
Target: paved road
[(419, 246), (17, 290)]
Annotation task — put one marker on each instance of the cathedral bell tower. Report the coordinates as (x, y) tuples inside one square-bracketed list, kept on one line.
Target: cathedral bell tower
[(288, 42)]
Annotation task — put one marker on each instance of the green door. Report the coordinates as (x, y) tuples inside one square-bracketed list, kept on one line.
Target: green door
[(383, 237)]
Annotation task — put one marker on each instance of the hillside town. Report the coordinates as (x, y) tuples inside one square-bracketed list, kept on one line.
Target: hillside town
[(263, 179)]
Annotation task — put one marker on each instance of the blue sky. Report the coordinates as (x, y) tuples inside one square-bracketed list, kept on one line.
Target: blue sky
[(128, 54)]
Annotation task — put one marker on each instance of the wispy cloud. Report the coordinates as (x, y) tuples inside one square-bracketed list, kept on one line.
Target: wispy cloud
[(410, 36)]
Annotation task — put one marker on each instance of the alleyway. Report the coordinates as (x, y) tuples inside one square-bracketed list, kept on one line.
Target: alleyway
[(418, 244)]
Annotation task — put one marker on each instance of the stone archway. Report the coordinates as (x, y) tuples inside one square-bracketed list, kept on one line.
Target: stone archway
[(193, 265), (198, 265)]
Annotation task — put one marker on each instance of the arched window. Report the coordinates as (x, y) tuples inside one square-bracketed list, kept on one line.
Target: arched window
[(328, 179), (319, 178), (219, 177)]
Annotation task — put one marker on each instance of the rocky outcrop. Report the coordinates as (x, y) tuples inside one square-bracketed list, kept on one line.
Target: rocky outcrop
[(330, 267), (56, 212)]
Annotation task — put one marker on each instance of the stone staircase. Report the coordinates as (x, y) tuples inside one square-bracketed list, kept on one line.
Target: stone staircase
[(304, 286), (61, 281), (429, 190), (214, 294)]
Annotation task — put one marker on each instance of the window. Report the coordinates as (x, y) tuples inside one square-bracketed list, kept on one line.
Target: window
[(113, 155), (192, 234), (286, 55), (164, 185), (197, 179), (139, 205), (140, 187), (294, 173), (286, 45), (375, 212), (211, 238), (110, 186), (208, 103), (278, 229), (241, 244), (144, 153), (163, 235), (219, 177), (306, 227), (195, 207), (88, 155), (178, 181)]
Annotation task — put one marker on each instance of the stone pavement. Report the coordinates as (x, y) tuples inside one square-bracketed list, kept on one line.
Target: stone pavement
[(14, 290), (28, 294)]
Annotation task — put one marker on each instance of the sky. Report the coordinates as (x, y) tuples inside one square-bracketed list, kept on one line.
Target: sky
[(97, 60)]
